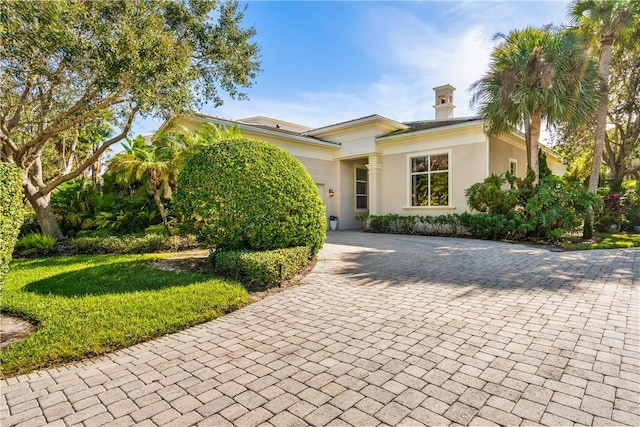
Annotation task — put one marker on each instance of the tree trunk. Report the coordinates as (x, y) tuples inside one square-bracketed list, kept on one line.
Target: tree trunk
[(601, 123), (527, 142), (162, 210), (601, 129), (42, 206), (536, 124)]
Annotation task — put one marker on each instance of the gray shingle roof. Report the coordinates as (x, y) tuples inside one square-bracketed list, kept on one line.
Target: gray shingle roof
[(433, 124)]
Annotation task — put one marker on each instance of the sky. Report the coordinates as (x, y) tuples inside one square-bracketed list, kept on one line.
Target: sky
[(328, 62)]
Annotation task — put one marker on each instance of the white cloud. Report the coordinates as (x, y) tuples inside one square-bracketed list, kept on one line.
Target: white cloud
[(412, 52)]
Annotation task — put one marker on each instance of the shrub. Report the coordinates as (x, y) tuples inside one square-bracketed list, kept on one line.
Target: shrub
[(611, 214), (558, 208), (265, 268), (490, 197), (132, 244), (247, 194), (495, 227), (11, 213), (36, 241)]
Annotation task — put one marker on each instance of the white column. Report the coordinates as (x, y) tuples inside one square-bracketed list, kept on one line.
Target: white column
[(375, 177)]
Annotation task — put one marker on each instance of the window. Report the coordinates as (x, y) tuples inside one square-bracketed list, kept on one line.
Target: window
[(513, 167), (362, 189), (430, 180)]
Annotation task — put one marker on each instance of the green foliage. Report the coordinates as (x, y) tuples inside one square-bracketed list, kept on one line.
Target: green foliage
[(264, 268), (35, 241), (480, 226), (632, 205), (155, 166), (80, 206), (548, 211), (248, 194), (11, 213), (558, 207), (606, 241), (544, 170), (132, 244), (85, 306), (536, 74), (495, 227), (490, 197), (71, 71)]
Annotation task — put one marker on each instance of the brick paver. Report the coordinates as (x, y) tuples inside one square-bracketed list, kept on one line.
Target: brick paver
[(399, 330)]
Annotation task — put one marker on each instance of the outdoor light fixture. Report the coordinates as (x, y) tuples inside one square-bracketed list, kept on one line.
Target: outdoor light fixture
[(331, 192)]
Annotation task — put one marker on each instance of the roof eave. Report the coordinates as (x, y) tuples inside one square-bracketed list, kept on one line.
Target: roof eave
[(429, 131)]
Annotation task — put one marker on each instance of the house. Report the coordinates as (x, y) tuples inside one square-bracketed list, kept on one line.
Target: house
[(377, 165)]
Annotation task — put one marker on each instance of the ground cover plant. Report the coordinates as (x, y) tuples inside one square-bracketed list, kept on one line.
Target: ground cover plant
[(606, 241), (89, 305)]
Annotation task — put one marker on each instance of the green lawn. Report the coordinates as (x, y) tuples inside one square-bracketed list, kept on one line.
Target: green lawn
[(607, 241), (89, 305)]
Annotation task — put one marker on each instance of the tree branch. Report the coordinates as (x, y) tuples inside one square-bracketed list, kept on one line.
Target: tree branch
[(13, 121), (92, 158)]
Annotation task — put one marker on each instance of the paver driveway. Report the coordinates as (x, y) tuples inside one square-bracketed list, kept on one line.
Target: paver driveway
[(385, 330)]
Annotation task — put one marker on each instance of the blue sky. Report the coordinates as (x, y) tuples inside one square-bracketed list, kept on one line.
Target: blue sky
[(326, 62)]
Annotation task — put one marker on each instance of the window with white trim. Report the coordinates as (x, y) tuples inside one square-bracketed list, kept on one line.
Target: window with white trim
[(362, 189), (430, 180), (513, 167)]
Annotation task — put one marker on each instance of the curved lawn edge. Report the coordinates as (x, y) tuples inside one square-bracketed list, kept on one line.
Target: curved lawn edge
[(88, 305)]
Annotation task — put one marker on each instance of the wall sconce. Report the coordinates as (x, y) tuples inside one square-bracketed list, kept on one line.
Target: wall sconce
[(331, 192)]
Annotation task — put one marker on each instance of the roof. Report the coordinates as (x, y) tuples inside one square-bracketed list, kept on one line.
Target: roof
[(348, 123), (433, 124), (265, 129)]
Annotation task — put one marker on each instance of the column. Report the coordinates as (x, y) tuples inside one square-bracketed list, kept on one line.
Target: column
[(375, 176)]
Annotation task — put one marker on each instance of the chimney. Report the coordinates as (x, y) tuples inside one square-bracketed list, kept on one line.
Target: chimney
[(444, 102)]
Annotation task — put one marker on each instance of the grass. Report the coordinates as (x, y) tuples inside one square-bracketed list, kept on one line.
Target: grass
[(607, 241), (89, 305)]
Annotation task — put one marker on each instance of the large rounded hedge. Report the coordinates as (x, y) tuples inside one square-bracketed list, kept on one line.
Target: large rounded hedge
[(241, 193), (10, 213)]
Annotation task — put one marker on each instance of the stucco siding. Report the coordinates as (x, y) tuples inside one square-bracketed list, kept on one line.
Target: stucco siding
[(500, 154), (467, 165)]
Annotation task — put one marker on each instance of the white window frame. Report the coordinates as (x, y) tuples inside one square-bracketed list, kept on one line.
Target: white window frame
[(355, 188), (409, 174), (513, 162)]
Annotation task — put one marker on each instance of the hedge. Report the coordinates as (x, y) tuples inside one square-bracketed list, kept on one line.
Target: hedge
[(132, 244), (11, 213), (240, 193), (482, 226), (265, 268)]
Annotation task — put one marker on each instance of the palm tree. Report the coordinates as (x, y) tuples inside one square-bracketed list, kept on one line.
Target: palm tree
[(535, 74), (603, 21), (156, 165)]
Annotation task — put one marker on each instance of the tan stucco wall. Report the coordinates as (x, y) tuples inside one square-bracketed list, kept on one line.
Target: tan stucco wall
[(503, 149), (345, 205), (500, 153), (467, 165)]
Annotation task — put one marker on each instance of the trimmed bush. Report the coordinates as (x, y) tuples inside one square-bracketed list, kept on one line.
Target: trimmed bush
[(480, 226), (248, 194), (11, 213), (265, 268), (132, 244)]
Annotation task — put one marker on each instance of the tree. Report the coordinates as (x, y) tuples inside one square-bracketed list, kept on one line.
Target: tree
[(622, 143), (156, 166), (621, 153), (535, 74), (603, 21), (68, 65)]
